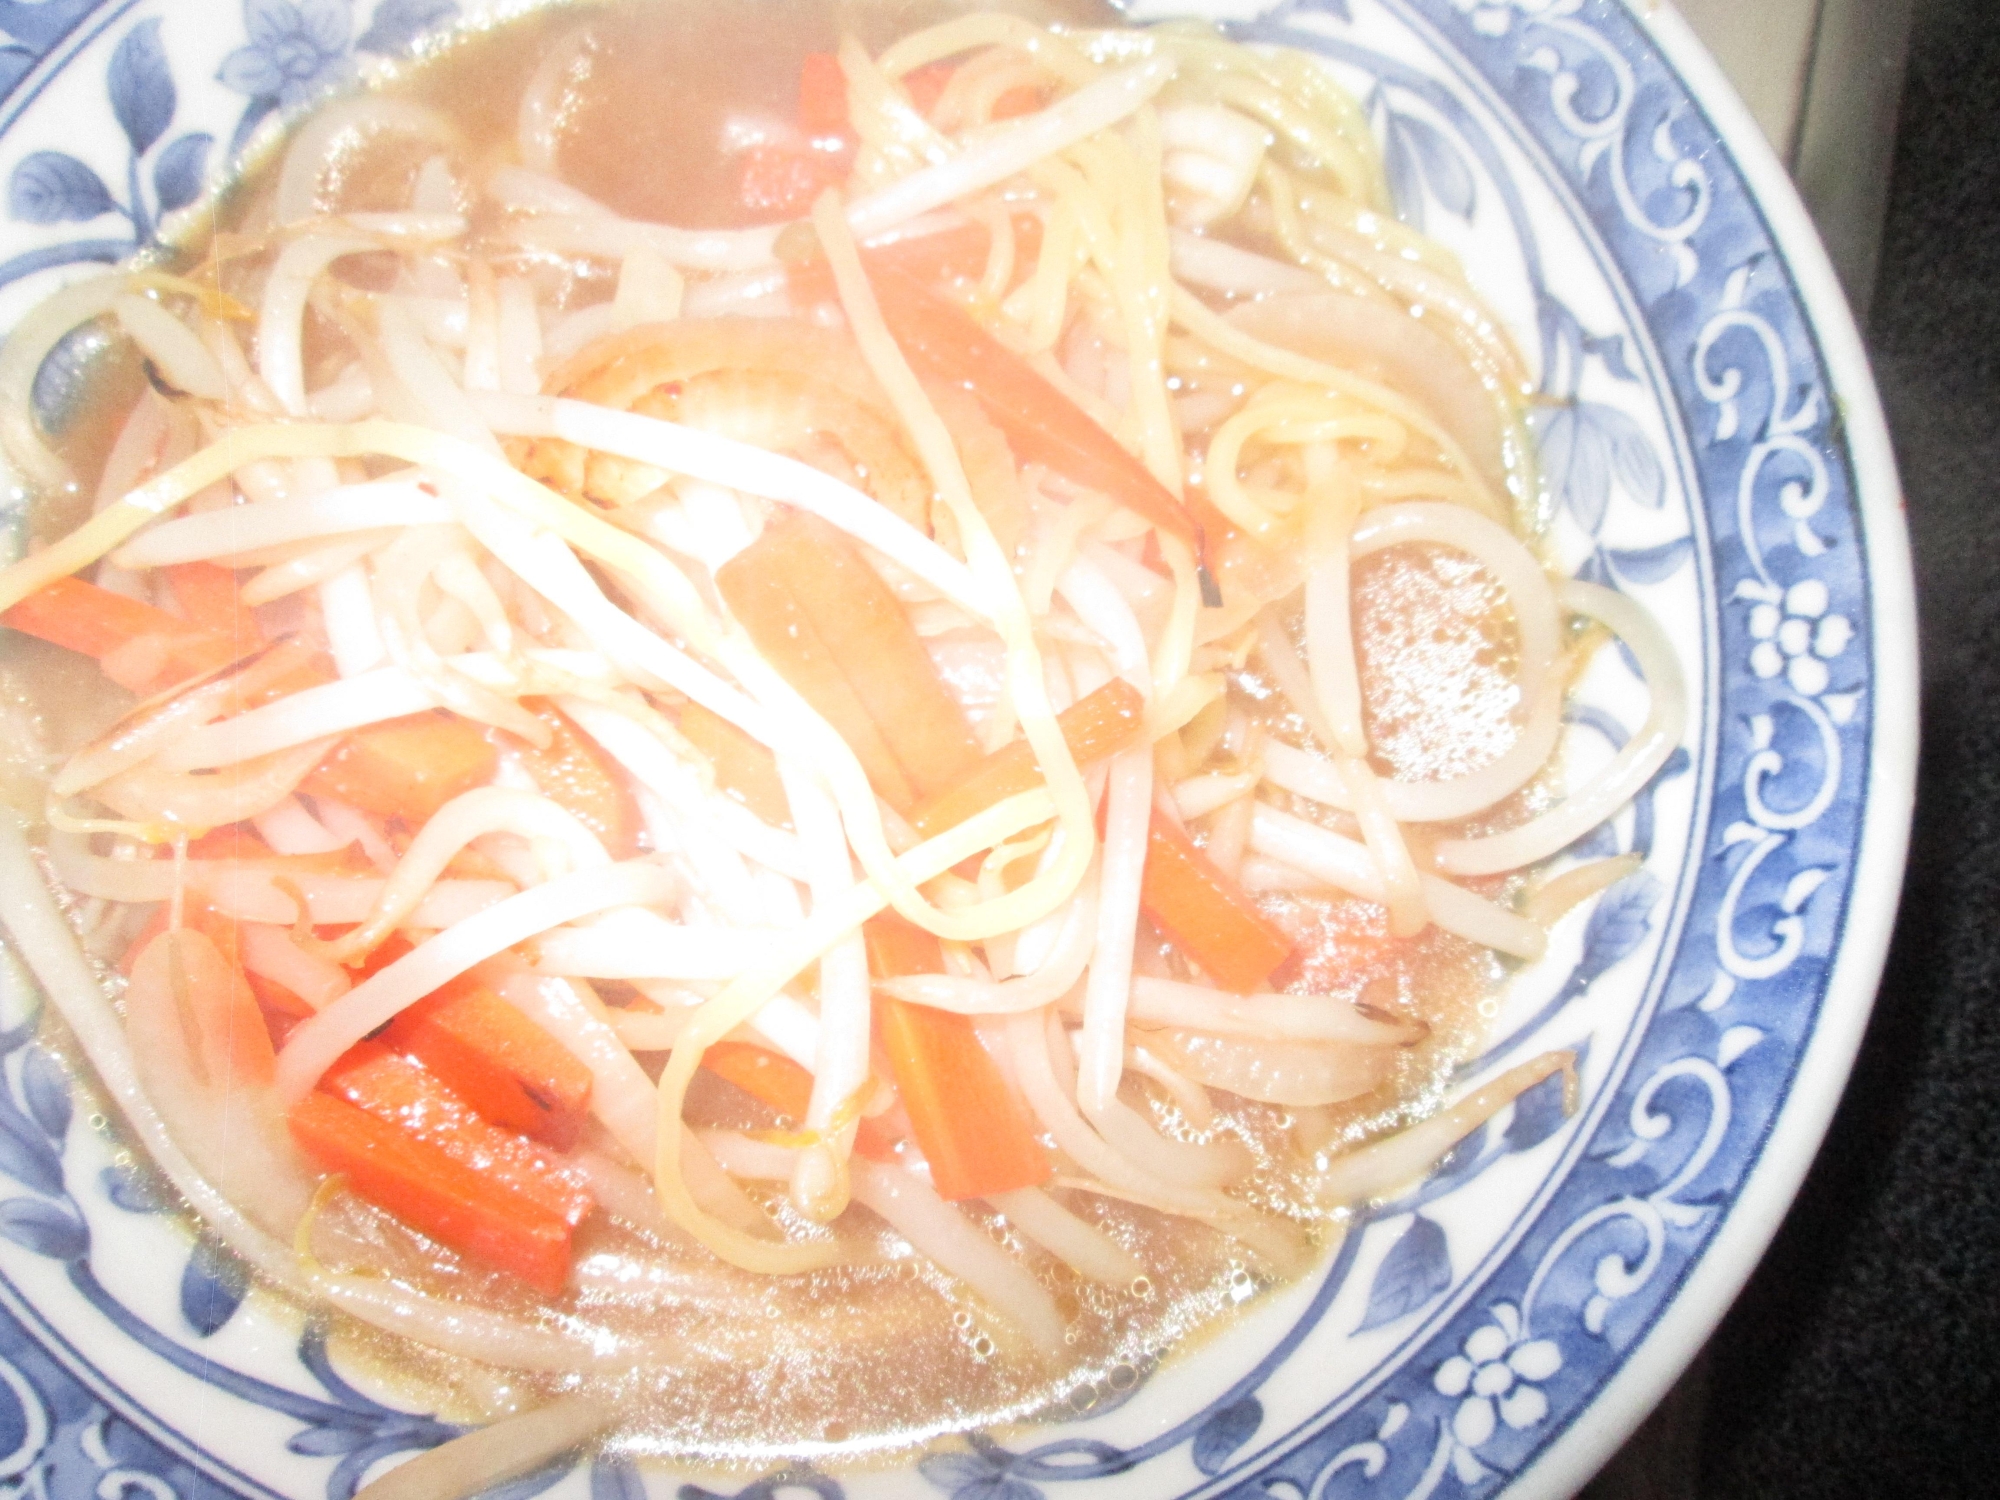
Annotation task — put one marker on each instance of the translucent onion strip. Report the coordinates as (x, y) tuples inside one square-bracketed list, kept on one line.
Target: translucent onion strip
[(500, 1451), (1272, 1017), (1636, 764), (1396, 1160), (1347, 866), (1309, 775)]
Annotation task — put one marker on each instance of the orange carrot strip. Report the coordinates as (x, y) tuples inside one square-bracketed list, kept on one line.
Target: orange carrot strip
[(744, 769), (498, 1061), (758, 592), (406, 768), (1206, 914), (416, 1101), (777, 182), (575, 772), (972, 1130), (1041, 423), (764, 1075), (141, 648), (823, 96), (1095, 726), (776, 1080), (426, 1188), (210, 598)]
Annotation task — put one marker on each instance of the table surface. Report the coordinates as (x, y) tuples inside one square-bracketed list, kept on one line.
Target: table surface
[(1863, 1359)]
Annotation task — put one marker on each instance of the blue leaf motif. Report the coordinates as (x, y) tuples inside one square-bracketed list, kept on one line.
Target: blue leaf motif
[(1406, 182), (45, 1087), (397, 24), (1538, 1114), (52, 187), (1619, 924), (1460, 1160), (1651, 564), (45, 1228), (1632, 456), (1600, 843), (1416, 1269), (141, 87), (26, 1157), (1444, 166), (133, 1189), (212, 1287), (326, 1442), (957, 1470), (1225, 1432), (1577, 464), (178, 173), (614, 1479)]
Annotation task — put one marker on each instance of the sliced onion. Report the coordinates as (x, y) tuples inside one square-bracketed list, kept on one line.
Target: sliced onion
[(164, 799), (1636, 764), (1290, 1073), (270, 953)]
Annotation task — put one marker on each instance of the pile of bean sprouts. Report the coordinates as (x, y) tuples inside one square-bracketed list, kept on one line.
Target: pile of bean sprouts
[(1219, 281)]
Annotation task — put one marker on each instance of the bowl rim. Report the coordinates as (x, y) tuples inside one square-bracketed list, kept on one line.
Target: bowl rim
[(1820, 1076)]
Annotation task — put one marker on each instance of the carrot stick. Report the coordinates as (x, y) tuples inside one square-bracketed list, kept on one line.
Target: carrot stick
[(575, 772), (764, 1075), (775, 1080), (498, 1061), (210, 598), (743, 768), (1096, 726), (970, 1127), (428, 1189), (416, 1101), (823, 96), (406, 768), (140, 648), (820, 615), (1043, 425), (1206, 914)]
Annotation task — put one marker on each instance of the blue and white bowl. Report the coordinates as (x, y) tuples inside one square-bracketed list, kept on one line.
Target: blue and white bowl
[(1713, 447)]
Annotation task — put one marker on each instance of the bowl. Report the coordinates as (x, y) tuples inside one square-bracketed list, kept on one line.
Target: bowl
[(1712, 446)]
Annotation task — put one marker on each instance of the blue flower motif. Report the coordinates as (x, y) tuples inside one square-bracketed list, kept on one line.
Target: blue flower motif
[(296, 48), (978, 1475)]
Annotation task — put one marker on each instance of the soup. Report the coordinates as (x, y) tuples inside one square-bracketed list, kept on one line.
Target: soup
[(824, 761)]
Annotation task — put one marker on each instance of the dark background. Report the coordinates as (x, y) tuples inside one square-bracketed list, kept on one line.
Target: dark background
[(1863, 1359)]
